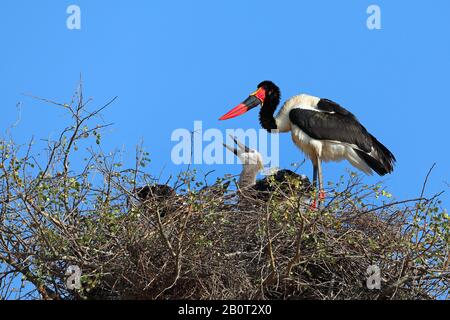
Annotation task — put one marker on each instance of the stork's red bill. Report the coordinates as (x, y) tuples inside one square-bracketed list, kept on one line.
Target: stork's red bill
[(255, 99)]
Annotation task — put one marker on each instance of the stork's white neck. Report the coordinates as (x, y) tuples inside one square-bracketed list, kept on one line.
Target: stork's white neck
[(248, 175), (301, 101)]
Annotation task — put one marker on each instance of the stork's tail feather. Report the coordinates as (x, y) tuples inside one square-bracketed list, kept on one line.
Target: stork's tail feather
[(382, 161)]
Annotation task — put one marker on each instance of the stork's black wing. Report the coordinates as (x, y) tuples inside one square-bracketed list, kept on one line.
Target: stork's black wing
[(333, 107), (338, 124), (332, 125)]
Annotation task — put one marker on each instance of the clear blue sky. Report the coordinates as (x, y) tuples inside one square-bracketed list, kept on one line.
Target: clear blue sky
[(173, 62)]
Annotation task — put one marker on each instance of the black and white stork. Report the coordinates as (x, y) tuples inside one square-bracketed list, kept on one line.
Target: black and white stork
[(321, 128)]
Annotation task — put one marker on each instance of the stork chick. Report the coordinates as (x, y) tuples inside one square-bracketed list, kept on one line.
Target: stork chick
[(252, 163), (159, 193)]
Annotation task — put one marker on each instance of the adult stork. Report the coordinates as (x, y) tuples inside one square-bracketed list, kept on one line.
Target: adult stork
[(321, 128)]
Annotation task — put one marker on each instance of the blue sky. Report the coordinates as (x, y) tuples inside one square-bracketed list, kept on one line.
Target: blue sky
[(174, 62)]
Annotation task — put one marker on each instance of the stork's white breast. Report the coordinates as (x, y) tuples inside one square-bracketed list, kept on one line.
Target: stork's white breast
[(327, 150)]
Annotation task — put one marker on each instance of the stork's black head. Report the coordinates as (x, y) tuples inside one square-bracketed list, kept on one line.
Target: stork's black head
[(272, 93), (268, 96)]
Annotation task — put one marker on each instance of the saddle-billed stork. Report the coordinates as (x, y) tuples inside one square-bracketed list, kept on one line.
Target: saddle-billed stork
[(321, 128)]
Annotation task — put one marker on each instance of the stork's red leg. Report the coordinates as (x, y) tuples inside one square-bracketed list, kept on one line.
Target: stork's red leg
[(313, 205), (322, 195), (321, 191)]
